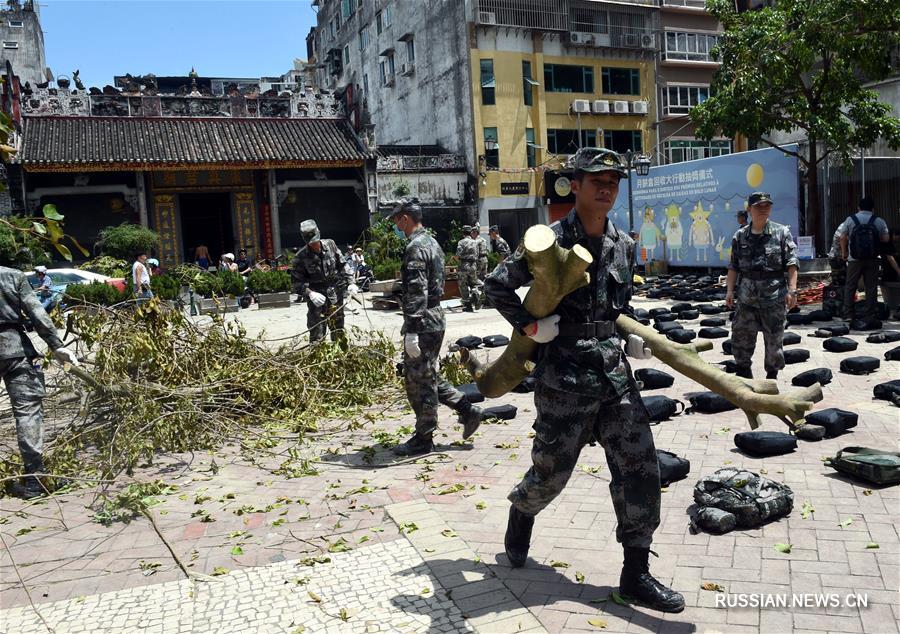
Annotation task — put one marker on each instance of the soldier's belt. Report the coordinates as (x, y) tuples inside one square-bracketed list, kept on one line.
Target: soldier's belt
[(762, 275), (598, 329), (468, 261)]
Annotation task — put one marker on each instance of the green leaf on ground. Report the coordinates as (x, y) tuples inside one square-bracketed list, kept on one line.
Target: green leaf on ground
[(617, 598), (783, 548), (846, 522), (407, 527), (315, 597), (481, 505), (278, 522), (363, 539), (806, 510), (449, 532), (25, 530), (559, 564), (237, 550), (723, 430), (867, 492), (453, 488), (598, 623), (219, 571), (340, 546), (579, 577), (872, 545)]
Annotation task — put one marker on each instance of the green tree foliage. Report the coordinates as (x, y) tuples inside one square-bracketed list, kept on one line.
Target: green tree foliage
[(384, 248), (165, 287), (24, 240), (94, 293), (801, 65), (269, 281), (126, 240)]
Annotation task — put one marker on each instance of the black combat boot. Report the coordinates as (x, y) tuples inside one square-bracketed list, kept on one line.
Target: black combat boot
[(745, 373), (470, 418), (467, 308), (29, 486), (415, 446), (637, 585), (772, 375), (518, 536)]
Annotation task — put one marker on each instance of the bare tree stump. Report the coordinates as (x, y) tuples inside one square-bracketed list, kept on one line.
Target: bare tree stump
[(557, 272)]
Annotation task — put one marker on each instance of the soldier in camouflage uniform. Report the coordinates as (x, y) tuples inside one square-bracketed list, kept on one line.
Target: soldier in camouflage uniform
[(498, 244), (467, 273), (22, 375), (585, 389), (320, 274), (483, 250), (422, 282), (764, 268)]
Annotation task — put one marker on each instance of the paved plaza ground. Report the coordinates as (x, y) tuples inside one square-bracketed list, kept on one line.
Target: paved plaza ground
[(418, 547)]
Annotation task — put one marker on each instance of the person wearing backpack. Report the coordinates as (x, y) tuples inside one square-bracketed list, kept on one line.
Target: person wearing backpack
[(861, 235)]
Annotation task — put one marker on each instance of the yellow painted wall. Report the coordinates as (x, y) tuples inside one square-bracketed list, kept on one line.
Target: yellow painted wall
[(511, 116)]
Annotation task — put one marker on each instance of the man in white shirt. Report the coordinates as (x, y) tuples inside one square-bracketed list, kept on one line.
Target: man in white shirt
[(140, 277), (860, 234)]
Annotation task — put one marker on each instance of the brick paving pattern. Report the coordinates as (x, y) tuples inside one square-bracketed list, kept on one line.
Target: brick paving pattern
[(575, 560)]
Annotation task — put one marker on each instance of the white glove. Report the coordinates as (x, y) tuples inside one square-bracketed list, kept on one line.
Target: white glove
[(636, 348), (64, 355), (353, 289), (411, 345), (547, 329), (317, 299)]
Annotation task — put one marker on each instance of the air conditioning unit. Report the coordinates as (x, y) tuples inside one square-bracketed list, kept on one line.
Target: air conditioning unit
[(407, 69), (620, 107), (581, 38), (581, 105), (632, 40), (487, 17), (389, 80), (639, 107), (601, 106), (648, 40)]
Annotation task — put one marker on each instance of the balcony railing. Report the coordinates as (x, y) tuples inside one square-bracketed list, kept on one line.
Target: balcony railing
[(685, 4)]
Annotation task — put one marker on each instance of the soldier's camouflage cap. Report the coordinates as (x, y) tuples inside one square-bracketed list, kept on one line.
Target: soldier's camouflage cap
[(759, 197), (467, 228), (410, 207), (595, 159), (309, 231), (495, 228)]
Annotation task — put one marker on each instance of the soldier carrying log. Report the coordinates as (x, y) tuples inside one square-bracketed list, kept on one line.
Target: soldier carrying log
[(585, 389)]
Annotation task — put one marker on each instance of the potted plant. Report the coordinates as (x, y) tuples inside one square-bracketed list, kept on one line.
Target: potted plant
[(272, 288), (219, 291)]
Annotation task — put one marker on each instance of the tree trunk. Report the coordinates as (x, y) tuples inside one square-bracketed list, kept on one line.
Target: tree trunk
[(557, 272), (813, 214), (755, 397)]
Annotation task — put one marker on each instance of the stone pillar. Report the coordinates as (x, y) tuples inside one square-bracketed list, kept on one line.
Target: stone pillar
[(142, 198), (273, 210)]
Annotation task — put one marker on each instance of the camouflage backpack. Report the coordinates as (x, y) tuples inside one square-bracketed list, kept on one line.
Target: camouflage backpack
[(751, 498)]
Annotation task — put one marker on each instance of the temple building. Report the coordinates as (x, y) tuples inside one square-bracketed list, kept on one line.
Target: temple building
[(238, 169)]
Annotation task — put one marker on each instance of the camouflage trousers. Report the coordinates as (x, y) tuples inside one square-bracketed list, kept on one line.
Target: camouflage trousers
[(566, 422), (482, 268), (425, 387), (748, 322), (469, 285), (330, 315), (25, 386)]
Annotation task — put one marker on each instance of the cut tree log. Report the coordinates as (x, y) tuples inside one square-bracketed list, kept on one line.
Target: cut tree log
[(754, 397), (557, 272)]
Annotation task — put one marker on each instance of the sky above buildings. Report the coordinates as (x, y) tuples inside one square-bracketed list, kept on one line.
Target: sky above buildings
[(221, 38)]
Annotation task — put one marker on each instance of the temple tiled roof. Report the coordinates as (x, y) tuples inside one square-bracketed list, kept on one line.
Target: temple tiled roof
[(99, 143)]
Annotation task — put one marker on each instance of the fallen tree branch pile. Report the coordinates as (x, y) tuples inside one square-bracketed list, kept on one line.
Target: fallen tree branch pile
[(155, 381)]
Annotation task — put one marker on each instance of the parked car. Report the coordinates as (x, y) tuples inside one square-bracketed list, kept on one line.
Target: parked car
[(61, 278)]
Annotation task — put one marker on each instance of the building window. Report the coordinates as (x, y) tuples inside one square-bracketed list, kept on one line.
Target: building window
[(488, 86), (565, 78), (693, 47), (16, 24), (346, 54), (621, 81), (387, 16), (528, 84), (387, 69), (410, 51), (332, 28), (560, 141), (680, 150), (379, 25), (366, 84), (680, 99), (363, 38), (531, 148), (10, 44), (622, 140), (346, 8), (491, 156)]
